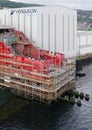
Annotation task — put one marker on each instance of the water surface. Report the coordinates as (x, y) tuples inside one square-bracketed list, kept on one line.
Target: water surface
[(60, 116)]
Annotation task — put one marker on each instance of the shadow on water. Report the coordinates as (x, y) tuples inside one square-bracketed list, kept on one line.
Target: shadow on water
[(9, 103), (38, 117)]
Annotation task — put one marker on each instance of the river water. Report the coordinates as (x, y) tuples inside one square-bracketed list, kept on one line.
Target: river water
[(60, 116)]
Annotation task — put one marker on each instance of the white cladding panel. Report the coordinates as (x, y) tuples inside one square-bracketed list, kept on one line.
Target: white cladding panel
[(25, 19), (89, 39), (15, 21), (84, 42), (52, 27), (57, 30), (28, 26), (4, 19)]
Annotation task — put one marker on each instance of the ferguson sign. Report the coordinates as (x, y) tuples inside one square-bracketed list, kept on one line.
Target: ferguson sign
[(24, 11)]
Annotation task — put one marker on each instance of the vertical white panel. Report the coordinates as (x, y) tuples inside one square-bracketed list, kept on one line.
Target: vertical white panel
[(34, 28), (65, 33), (52, 32), (75, 32), (85, 45), (59, 33), (27, 26), (78, 44), (89, 39), (3, 16), (7, 18), (71, 33), (15, 21), (83, 40), (45, 31), (39, 30), (21, 22)]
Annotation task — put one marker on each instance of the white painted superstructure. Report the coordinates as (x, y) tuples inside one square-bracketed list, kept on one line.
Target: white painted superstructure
[(49, 27)]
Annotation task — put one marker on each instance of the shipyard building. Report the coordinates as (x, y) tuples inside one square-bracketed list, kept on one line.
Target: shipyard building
[(52, 28)]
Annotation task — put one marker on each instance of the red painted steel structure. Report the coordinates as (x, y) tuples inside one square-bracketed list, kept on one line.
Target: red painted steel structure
[(35, 59), (30, 71)]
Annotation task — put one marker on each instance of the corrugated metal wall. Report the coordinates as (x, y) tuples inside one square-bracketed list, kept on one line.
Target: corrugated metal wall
[(52, 27), (57, 30)]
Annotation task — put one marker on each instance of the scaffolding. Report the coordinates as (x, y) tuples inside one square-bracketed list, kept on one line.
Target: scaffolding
[(36, 79), (37, 85)]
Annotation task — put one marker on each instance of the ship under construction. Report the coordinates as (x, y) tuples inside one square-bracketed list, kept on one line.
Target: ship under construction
[(31, 72)]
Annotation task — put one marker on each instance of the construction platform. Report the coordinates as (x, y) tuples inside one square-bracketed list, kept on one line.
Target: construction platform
[(38, 86), (32, 72)]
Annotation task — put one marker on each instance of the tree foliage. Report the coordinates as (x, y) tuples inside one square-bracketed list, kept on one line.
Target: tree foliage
[(10, 4)]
